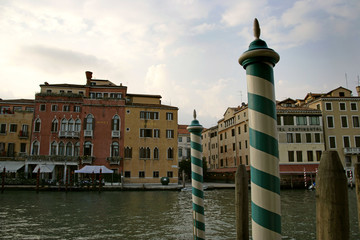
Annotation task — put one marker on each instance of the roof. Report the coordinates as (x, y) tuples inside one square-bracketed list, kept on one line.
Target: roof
[(182, 129), (147, 105), (143, 95), (18, 101)]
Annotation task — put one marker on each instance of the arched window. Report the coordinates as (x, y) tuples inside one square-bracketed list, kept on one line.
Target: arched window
[(170, 153), (35, 148), (142, 152), (54, 125), (53, 148), (115, 149), (77, 149), (87, 148), (69, 149), (61, 149), (77, 125), (89, 122), (115, 126), (156, 153), (37, 125), (148, 151), (71, 124), (128, 152), (63, 126)]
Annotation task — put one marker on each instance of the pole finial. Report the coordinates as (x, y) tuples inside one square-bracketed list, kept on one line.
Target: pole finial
[(194, 114), (256, 29)]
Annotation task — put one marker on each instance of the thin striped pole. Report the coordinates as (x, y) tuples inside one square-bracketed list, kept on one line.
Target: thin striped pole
[(195, 130), (305, 178), (259, 61)]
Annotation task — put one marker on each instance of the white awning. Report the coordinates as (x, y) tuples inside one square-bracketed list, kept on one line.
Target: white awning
[(44, 168), (94, 169), (11, 166)]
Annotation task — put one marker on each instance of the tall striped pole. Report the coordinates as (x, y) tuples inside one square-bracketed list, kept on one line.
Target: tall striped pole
[(195, 130), (259, 61)]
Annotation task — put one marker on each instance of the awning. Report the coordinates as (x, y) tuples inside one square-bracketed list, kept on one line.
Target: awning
[(94, 169), (44, 168), (11, 166)]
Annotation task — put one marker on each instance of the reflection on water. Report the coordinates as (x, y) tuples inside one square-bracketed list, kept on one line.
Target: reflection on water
[(143, 215)]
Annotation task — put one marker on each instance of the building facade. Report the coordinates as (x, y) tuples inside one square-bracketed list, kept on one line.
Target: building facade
[(184, 148)]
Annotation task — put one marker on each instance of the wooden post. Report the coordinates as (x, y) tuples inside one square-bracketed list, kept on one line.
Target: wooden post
[(66, 180), (37, 180), (183, 178), (357, 187), (3, 180), (332, 206), (241, 203), (100, 180)]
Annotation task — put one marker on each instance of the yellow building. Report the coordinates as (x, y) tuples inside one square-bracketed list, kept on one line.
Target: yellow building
[(151, 134)]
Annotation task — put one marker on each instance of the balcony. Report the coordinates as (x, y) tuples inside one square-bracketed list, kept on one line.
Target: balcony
[(115, 133), (87, 159), (53, 158), (23, 135), (352, 150), (69, 134), (88, 133), (114, 160)]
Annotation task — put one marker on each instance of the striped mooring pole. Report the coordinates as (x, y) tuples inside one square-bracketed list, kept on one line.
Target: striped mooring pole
[(195, 130), (259, 61)]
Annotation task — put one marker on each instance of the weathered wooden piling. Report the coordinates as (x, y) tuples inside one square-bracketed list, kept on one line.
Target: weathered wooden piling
[(332, 206), (241, 203), (37, 180), (100, 180), (183, 178), (3, 180), (357, 187)]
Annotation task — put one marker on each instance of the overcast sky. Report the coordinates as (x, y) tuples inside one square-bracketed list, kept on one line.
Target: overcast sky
[(186, 51)]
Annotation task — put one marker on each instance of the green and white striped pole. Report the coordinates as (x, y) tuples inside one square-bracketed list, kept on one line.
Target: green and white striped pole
[(259, 61), (195, 130)]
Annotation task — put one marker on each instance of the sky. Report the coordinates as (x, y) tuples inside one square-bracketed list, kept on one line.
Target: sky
[(187, 51)]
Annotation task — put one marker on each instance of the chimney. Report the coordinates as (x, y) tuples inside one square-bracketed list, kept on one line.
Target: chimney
[(358, 90), (88, 77)]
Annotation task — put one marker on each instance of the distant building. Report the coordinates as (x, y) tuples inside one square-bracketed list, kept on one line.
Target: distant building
[(210, 147), (184, 147)]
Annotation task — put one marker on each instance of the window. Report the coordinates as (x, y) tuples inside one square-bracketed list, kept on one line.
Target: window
[(353, 106), (233, 146), (54, 125), (92, 95), (239, 130), (188, 152), (179, 152), (221, 149), (77, 108), (77, 149), (127, 174), (308, 137), (170, 153), (23, 147), (54, 108), (63, 126), (16, 109), (169, 116), (13, 128), (29, 109), (179, 139), (156, 133), (2, 128), (342, 106), (169, 174), (332, 142), (245, 128), (299, 156), (141, 174), (318, 155), (328, 106), (128, 152), (61, 149), (42, 107), (346, 141), (246, 144), (145, 132), (144, 153), (291, 156), (314, 120), (330, 121), (310, 156), (317, 138), (115, 123), (246, 159), (169, 133), (232, 132), (89, 120), (301, 120), (149, 115), (278, 120), (115, 149), (288, 120), (35, 148), (156, 153), (69, 149), (77, 125), (155, 174), (220, 136), (98, 95), (71, 124), (298, 137), (87, 149), (240, 145), (225, 148), (355, 120), (66, 108), (289, 137), (357, 141), (53, 149), (37, 125), (62, 91), (11, 150), (344, 121)]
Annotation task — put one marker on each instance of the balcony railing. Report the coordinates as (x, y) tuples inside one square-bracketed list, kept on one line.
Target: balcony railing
[(114, 160), (352, 150), (115, 133), (87, 159), (23, 135), (69, 134), (88, 133), (53, 158)]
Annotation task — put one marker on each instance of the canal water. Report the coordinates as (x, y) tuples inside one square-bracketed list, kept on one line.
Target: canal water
[(144, 215)]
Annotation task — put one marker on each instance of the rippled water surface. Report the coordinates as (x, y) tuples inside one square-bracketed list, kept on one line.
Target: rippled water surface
[(143, 215)]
